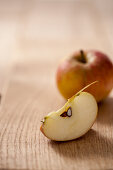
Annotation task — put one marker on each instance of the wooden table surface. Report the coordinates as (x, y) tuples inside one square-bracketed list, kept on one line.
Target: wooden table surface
[(34, 36)]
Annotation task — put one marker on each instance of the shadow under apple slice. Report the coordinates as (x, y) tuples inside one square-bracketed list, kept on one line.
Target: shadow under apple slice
[(87, 147)]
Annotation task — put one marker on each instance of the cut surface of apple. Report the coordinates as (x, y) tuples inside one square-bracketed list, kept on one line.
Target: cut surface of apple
[(73, 120)]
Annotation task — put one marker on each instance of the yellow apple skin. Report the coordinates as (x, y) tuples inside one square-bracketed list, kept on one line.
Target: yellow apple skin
[(73, 74)]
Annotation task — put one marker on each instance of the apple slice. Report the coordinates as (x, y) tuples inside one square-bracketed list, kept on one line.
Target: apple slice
[(73, 120)]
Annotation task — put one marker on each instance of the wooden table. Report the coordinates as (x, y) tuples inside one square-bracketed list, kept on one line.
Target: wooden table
[(34, 36)]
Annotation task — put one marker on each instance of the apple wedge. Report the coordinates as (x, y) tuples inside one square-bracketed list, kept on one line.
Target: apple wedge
[(73, 120)]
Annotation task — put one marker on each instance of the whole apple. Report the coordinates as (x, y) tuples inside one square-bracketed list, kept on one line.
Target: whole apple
[(83, 68)]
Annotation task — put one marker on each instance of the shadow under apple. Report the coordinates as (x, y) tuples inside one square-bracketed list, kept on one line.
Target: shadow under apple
[(87, 147), (105, 114)]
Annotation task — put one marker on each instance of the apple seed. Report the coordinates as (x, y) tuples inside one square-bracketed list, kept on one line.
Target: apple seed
[(69, 112)]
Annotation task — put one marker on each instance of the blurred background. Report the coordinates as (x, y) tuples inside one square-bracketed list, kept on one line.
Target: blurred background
[(40, 29)]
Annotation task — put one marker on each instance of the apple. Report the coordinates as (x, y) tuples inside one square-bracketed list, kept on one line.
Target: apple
[(82, 68), (73, 120)]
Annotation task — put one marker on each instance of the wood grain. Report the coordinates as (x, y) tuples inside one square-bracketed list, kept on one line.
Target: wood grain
[(34, 36)]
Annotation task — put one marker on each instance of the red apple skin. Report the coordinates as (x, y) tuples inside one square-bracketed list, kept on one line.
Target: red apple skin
[(72, 75)]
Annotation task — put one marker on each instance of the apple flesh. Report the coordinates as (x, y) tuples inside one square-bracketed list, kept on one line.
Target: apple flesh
[(73, 120), (83, 68)]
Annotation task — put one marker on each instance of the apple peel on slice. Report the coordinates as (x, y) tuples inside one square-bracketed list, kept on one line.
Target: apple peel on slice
[(73, 120)]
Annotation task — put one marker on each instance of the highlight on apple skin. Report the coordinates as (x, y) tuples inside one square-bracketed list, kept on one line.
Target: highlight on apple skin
[(82, 68), (73, 120)]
